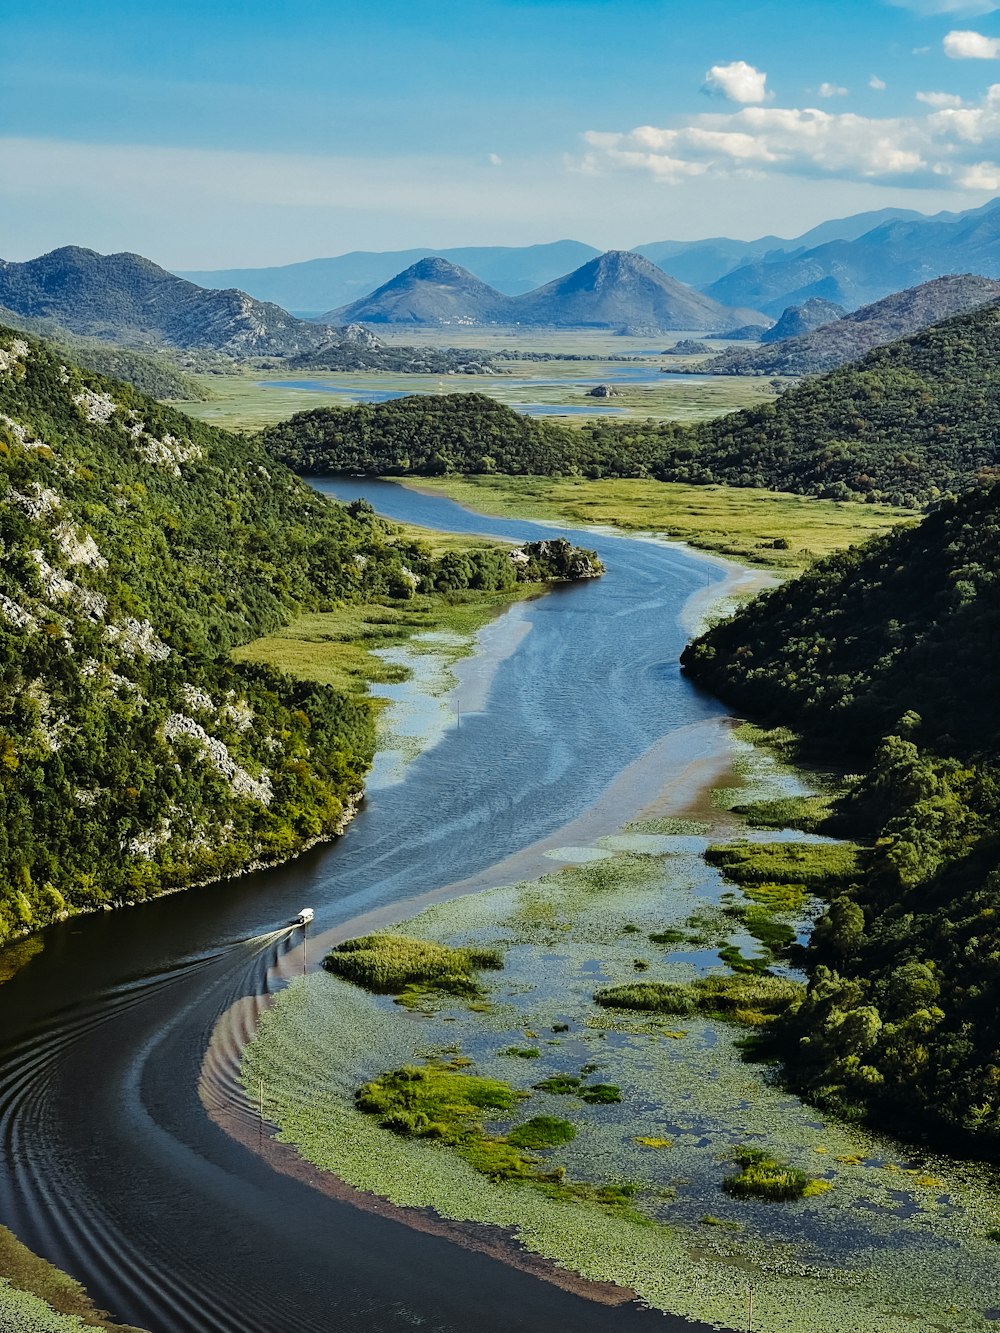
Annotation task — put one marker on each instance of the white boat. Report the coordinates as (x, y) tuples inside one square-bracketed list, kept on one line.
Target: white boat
[(305, 916)]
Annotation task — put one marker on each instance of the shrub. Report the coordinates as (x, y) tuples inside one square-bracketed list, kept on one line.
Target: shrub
[(387, 964)]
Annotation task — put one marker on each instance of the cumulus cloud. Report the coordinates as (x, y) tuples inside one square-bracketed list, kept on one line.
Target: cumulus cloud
[(939, 100), (737, 81), (967, 45), (952, 145), (831, 90), (877, 83)]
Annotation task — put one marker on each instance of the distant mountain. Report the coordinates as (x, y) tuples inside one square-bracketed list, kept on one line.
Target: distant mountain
[(895, 255), (432, 291), (843, 340), (326, 284), (800, 319), (701, 263), (623, 290), (128, 299)]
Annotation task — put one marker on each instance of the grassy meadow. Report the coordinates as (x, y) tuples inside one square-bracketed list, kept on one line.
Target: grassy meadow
[(250, 401), (735, 521)]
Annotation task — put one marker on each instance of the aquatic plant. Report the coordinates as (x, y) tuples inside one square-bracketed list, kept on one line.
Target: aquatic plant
[(387, 964), (542, 1131), (522, 1052), (751, 999), (820, 866), (764, 1177), (434, 1101)]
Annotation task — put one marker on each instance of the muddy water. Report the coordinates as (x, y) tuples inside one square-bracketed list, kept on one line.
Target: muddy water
[(110, 1166)]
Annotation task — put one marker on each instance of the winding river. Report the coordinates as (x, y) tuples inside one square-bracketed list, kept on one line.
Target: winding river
[(111, 1167)]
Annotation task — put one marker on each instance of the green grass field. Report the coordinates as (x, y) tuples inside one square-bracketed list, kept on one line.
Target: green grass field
[(245, 402), (335, 647), (733, 521)]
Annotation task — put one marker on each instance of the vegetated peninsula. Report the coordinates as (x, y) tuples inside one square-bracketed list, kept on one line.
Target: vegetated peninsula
[(909, 422), (139, 549), (886, 654)]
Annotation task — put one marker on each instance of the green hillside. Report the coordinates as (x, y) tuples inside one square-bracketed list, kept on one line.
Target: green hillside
[(887, 655), (138, 548), (909, 422)]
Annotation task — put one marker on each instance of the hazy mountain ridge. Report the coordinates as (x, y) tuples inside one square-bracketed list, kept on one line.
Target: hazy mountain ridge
[(897, 254), (127, 298), (852, 336)]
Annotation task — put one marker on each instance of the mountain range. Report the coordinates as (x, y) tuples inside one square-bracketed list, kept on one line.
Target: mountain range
[(617, 290), (126, 298), (327, 284), (839, 341), (897, 254)]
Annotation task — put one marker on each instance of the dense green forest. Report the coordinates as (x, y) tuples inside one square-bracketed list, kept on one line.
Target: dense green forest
[(139, 547), (886, 655), (909, 422)]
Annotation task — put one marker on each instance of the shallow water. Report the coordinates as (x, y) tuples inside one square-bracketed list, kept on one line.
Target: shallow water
[(110, 1166), (356, 395)]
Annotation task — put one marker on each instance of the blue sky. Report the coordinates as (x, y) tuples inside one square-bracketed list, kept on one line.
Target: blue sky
[(215, 134)]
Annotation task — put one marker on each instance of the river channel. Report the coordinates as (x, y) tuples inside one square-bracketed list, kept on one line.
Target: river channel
[(112, 1169)]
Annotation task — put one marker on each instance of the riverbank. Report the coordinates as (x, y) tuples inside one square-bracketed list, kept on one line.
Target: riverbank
[(769, 529)]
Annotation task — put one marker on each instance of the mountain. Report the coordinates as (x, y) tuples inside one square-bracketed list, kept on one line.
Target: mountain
[(897, 254), (841, 340), (126, 298), (326, 284), (431, 291), (886, 653), (622, 290), (797, 320), (701, 263)]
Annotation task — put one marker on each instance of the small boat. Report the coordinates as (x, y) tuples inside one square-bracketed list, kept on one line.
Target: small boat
[(304, 917)]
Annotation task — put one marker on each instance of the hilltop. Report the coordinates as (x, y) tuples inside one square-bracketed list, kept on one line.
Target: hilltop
[(622, 290), (839, 340), (798, 320), (432, 291)]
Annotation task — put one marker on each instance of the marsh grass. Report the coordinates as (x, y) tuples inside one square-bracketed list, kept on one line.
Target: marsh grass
[(390, 964), (338, 647), (764, 1177), (542, 1131), (735, 521), (819, 867), (810, 814), (748, 999), (32, 1281)]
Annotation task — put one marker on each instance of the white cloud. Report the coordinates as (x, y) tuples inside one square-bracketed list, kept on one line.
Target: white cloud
[(738, 81), (877, 83), (968, 45), (495, 160), (831, 90), (951, 145), (966, 8)]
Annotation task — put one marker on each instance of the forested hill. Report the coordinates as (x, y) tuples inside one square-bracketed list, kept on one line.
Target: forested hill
[(908, 422), (423, 435), (138, 548), (887, 653)]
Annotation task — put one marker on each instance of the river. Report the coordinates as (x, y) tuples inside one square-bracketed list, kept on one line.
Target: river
[(111, 1167)]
